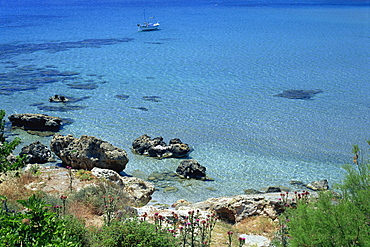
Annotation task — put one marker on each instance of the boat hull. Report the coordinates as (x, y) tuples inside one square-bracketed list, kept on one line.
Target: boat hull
[(148, 27)]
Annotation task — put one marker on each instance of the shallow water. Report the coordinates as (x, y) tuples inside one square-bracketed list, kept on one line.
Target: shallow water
[(214, 70)]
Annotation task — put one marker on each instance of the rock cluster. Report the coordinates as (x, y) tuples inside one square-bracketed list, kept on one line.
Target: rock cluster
[(156, 147), (88, 152), (58, 98), (139, 191), (31, 121)]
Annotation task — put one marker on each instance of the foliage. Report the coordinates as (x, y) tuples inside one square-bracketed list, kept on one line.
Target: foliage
[(327, 222), (94, 196), (38, 226), (85, 175), (195, 231), (333, 219), (132, 232), (2, 126), (356, 186), (6, 148)]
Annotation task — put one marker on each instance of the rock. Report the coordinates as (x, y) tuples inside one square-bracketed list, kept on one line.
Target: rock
[(156, 147), (88, 152), (255, 240), (273, 189), (170, 189), (231, 209), (298, 94), (252, 191), (36, 153), (139, 191), (58, 98), (36, 121), (191, 169), (318, 185)]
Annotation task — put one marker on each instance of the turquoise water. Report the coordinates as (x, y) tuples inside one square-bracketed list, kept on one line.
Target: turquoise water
[(214, 68)]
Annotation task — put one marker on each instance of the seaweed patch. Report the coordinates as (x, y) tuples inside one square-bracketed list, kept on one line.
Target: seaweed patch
[(298, 94)]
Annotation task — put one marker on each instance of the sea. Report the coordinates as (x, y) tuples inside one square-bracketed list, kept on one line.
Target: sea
[(264, 92)]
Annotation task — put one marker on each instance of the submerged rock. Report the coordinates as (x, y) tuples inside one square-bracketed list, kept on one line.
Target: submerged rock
[(298, 94), (151, 98), (65, 108), (122, 96), (88, 152), (85, 86)]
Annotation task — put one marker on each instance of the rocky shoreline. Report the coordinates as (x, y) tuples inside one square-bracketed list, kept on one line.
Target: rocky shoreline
[(104, 162)]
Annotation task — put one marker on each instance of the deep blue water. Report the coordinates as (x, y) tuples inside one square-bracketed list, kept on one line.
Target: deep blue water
[(214, 67)]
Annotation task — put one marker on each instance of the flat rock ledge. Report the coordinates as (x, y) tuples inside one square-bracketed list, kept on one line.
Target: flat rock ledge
[(139, 191), (88, 152), (231, 209), (56, 181), (29, 121)]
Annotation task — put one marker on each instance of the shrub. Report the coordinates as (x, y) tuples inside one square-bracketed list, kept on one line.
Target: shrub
[(6, 164), (327, 222), (38, 226), (93, 196), (6, 149), (132, 232), (2, 126), (332, 220)]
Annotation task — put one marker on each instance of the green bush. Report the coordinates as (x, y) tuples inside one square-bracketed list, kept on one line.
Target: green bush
[(132, 232), (2, 126), (332, 219), (38, 225), (6, 148), (93, 196), (327, 222)]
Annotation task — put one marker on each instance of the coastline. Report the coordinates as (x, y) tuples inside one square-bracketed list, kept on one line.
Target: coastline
[(215, 92)]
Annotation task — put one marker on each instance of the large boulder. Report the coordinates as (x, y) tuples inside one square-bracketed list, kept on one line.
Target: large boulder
[(191, 169), (36, 153), (156, 147), (31, 121), (88, 152), (139, 191)]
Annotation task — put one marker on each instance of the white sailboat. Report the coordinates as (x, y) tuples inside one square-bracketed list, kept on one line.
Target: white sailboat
[(149, 24)]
